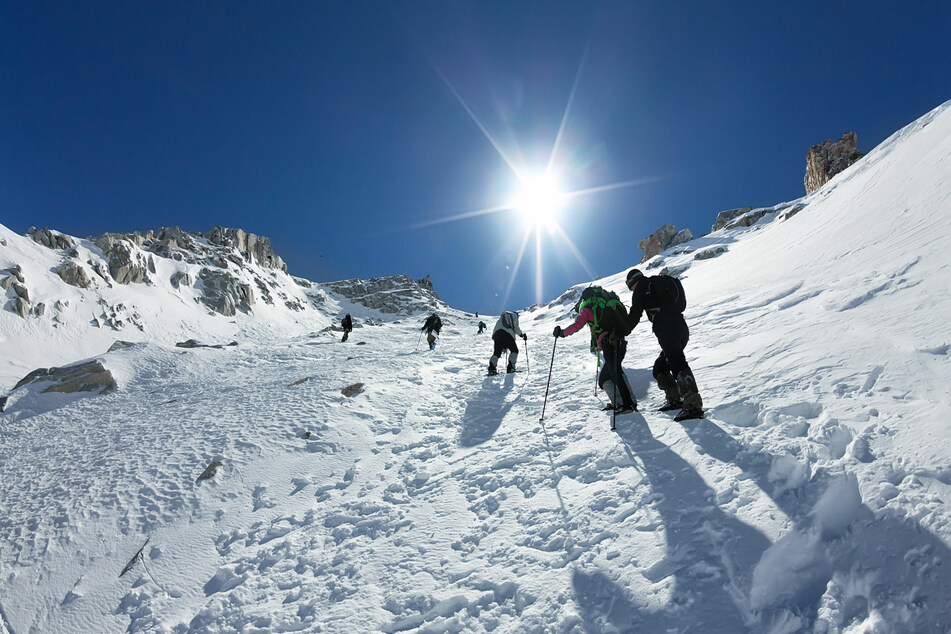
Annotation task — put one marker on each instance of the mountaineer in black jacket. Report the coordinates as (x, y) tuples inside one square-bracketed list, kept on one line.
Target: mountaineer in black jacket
[(432, 327), (662, 298)]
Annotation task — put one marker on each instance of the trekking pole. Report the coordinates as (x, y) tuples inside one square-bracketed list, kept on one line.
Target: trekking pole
[(617, 365), (528, 359), (549, 377), (418, 339)]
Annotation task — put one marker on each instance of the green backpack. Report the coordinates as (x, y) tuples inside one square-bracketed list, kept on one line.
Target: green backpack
[(610, 315)]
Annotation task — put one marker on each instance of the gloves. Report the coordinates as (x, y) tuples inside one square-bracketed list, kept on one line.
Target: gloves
[(558, 332), (524, 337)]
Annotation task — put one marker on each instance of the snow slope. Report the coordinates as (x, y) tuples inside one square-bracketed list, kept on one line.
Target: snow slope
[(812, 498)]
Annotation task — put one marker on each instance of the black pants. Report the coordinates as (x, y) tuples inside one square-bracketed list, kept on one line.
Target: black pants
[(503, 341), (612, 371), (672, 335)]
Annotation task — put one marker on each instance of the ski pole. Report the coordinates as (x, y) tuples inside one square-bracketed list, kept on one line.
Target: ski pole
[(418, 339), (528, 359), (549, 377), (617, 373)]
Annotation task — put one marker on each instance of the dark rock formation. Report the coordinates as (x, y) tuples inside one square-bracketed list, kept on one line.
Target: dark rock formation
[(180, 279), (193, 343), (21, 291), (73, 274), (712, 252), (126, 264), (724, 217), (90, 376), (662, 239), (21, 307), (828, 159), (352, 390), (50, 239), (396, 294), (251, 246), (224, 293), (209, 471)]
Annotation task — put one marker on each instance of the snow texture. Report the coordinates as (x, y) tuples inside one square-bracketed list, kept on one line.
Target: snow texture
[(811, 497)]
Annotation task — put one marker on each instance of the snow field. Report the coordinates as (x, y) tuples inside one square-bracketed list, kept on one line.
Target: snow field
[(811, 498)]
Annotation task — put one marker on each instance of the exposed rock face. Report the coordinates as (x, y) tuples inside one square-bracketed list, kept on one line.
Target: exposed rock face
[(724, 217), (21, 291), (828, 159), (427, 284), (21, 307), (180, 279), (50, 239), (224, 293), (397, 294), (126, 265), (251, 246), (662, 239), (712, 252), (84, 377), (73, 274)]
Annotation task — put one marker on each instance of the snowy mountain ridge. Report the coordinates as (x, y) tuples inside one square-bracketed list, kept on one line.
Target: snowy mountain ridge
[(80, 295), (812, 497)]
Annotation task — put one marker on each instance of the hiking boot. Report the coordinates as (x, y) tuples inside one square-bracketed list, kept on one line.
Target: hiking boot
[(492, 370), (670, 405), (608, 408), (689, 413), (510, 368), (626, 409)]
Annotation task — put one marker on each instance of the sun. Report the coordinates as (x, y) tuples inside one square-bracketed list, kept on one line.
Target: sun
[(540, 200)]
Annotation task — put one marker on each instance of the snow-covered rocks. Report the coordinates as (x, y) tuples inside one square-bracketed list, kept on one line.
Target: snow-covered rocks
[(90, 376)]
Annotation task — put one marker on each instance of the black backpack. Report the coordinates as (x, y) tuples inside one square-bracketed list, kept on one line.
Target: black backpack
[(669, 292), (609, 313)]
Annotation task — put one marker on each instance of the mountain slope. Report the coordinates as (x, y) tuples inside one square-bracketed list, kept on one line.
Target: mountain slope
[(810, 499)]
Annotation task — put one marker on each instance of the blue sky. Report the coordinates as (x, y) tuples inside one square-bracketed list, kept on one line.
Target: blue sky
[(348, 131)]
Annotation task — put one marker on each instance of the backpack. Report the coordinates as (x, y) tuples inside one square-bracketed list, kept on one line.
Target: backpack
[(609, 313), (669, 292)]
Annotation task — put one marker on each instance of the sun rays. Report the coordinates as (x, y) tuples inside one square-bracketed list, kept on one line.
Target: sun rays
[(541, 196)]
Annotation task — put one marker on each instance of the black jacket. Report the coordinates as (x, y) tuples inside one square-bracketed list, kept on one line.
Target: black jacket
[(643, 300), (432, 323), (347, 323)]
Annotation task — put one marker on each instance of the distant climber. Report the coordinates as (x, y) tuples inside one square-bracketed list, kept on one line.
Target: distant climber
[(662, 298), (347, 323), (606, 317), (432, 327), (506, 329), (482, 327)]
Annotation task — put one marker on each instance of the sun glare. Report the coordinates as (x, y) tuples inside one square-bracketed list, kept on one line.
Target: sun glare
[(540, 200)]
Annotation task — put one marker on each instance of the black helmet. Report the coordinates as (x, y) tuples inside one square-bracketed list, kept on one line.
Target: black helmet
[(633, 276)]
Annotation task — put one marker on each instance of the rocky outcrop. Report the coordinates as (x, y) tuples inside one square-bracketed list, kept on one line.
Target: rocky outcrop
[(22, 292), (253, 247), (725, 217), (398, 294), (50, 239), (126, 264), (73, 274), (427, 284), (21, 307), (712, 252), (828, 159), (90, 376), (662, 239), (180, 279), (224, 293)]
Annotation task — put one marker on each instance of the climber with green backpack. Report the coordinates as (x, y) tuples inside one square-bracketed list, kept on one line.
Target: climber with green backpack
[(606, 317)]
